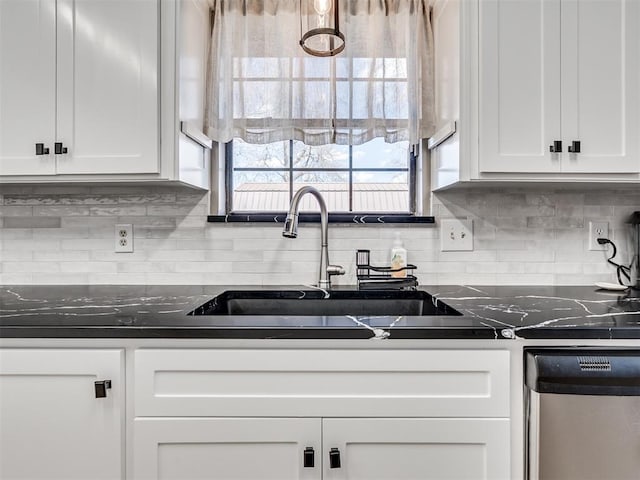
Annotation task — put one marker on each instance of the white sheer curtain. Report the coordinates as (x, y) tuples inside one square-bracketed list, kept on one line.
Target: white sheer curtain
[(263, 88)]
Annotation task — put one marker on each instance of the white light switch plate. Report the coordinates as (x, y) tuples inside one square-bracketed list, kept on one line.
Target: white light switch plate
[(456, 235)]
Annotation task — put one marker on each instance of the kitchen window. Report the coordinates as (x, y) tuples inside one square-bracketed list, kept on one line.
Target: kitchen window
[(350, 125), (375, 177)]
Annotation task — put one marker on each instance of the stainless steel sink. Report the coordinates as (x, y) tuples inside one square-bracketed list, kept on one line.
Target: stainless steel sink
[(317, 303)]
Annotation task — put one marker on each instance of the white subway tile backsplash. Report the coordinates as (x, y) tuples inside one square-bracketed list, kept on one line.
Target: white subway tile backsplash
[(88, 267), (89, 243), (176, 210), (255, 256), (62, 278), (32, 222), (118, 211), (269, 267), (41, 233), (525, 256), (64, 234), (7, 255), (146, 267), (168, 198), (199, 244), (28, 244), (59, 211), (61, 256), (17, 279), (9, 211), (10, 266), (49, 199), (204, 267), (176, 256), (112, 256)]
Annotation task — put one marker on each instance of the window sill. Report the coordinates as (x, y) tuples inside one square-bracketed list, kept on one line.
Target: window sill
[(347, 218)]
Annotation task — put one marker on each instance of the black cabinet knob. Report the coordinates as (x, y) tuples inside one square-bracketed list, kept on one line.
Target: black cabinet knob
[(575, 147), (556, 147), (334, 458), (59, 149), (101, 388), (309, 457), (41, 150)]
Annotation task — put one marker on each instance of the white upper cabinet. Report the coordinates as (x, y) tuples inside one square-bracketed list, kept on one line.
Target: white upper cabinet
[(519, 85), (548, 91), (107, 104), (601, 85), (559, 71), (80, 77), (95, 91), (27, 86)]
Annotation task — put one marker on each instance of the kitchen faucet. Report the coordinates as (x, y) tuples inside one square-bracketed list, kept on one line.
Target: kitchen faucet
[(291, 231)]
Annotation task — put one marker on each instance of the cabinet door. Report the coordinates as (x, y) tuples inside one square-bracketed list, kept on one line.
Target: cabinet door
[(107, 104), (51, 423), (226, 448), (27, 85), (519, 91), (417, 449), (601, 85)]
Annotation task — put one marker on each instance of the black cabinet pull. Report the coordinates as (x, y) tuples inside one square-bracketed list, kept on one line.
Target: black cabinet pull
[(556, 147), (334, 458), (41, 150), (59, 149), (309, 457), (101, 388), (575, 147)]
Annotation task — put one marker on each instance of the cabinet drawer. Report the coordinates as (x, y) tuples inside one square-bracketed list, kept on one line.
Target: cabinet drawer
[(329, 383)]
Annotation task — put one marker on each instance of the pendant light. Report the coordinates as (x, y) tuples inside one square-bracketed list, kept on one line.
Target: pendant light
[(320, 28)]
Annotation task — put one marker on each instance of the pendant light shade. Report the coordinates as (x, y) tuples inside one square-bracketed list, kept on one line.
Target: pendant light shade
[(320, 33)]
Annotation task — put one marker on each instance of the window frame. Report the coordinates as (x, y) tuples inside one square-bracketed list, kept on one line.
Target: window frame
[(411, 170)]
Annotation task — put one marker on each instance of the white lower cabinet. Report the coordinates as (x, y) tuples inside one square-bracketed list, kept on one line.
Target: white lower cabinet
[(51, 423), (226, 448), (365, 414), (416, 448), (329, 448)]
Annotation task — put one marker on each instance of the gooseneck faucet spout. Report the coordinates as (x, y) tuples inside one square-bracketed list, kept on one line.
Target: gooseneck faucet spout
[(291, 231)]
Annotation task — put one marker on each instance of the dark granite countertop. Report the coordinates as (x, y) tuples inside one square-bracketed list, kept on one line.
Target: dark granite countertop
[(138, 311)]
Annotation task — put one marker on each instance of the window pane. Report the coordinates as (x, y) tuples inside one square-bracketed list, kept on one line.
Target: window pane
[(380, 192), (363, 67), (260, 191), (312, 67), (333, 186), (323, 156), (260, 67), (343, 99), (378, 154), (261, 99), (270, 155)]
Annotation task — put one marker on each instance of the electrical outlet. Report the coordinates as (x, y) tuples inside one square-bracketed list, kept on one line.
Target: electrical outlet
[(124, 238), (598, 230), (456, 235)]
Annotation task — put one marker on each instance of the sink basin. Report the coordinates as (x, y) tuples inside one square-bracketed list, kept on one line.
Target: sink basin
[(314, 303)]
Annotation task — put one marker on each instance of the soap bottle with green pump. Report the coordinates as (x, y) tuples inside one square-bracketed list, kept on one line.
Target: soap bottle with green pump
[(398, 257)]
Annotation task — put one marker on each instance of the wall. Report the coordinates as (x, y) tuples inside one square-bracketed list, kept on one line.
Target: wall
[(65, 234)]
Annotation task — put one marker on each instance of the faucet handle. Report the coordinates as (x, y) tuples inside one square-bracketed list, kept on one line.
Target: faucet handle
[(335, 270)]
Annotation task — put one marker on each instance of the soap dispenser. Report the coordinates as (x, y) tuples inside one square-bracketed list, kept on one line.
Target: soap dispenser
[(398, 257)]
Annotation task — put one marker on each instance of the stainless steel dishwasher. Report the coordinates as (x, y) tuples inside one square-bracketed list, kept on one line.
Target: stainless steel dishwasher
[(582, 409)]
